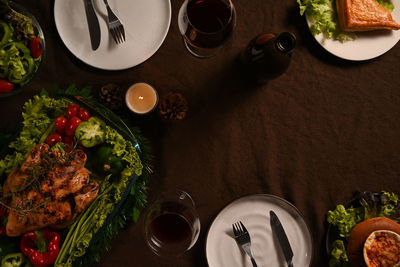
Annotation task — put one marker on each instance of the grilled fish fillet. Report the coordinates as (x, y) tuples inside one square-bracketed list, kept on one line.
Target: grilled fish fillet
[(364, 15), (63, 191)]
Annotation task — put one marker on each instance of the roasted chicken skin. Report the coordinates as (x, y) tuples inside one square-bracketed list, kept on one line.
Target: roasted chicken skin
[(48, 190)]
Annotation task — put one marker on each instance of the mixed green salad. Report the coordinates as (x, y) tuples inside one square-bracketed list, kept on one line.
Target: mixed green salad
[(112, 160), (20, 48), (323, 18), (343, 219)]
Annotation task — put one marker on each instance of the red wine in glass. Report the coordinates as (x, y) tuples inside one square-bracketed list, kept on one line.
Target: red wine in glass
[(171, 224), (171, 232), (206, 25)]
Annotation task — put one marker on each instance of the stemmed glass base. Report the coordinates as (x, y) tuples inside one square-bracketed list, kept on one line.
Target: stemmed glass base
[(201, 52)]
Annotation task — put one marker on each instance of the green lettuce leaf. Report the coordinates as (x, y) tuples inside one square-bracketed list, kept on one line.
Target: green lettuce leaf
[(386, 4), (345, 219), (338, 254)]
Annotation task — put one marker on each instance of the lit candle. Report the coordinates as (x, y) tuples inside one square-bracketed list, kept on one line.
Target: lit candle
[(141, 98)]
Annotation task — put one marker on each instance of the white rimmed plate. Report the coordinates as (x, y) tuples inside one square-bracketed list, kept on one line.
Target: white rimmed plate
[(253, 211), (367, 45), (146, 24)]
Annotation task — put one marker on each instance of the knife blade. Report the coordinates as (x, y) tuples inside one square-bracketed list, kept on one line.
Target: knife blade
[(93, 23), (279, 232)]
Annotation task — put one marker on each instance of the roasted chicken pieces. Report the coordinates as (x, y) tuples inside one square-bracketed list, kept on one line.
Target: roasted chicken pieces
[(48, 190)]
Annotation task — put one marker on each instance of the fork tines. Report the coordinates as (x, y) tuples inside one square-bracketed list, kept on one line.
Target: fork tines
[(242, 238), (114, 25), (238, 228), (118, 33)]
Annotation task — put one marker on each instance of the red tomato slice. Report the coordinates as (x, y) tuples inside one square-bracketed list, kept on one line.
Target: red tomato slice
[(6, 86), (36, 47)]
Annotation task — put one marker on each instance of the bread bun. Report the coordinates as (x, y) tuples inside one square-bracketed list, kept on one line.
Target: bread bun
[(361, 232)]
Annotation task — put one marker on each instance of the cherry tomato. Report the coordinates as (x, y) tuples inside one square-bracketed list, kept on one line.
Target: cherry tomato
[(53, 139), (69, 141), (60, 123), (71, 126), (3, 211), (6, 86), (2, 230), (72, 110), (36, 47), (83, 114)]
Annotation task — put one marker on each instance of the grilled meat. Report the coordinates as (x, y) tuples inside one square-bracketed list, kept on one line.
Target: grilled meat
[(49, 190)]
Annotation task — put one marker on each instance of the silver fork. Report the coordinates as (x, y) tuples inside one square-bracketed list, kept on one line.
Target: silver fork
[(242, 238), (115, 26)]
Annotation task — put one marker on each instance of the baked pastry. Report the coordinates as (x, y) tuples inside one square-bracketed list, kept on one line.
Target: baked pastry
[(382, 248), (361, 232), (364, 15)]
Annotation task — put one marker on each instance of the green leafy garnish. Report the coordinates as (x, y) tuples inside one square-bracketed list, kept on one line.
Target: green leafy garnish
[(323, 18), (71, 90), (345, 219), (24, 27), (386, 4), (338, 254)]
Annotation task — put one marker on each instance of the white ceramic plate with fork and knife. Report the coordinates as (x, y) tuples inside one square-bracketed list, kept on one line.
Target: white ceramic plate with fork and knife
[(253, 211), (146, 24)]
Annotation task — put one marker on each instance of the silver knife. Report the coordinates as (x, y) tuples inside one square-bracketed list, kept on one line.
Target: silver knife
[(93, 22), (279, 232)]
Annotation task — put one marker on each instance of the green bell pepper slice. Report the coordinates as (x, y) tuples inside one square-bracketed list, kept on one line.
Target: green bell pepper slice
[(15, 260), (18, 63), (91, 132), (6, 31)]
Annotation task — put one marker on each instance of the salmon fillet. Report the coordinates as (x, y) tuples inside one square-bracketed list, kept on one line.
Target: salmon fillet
[(364, 15)]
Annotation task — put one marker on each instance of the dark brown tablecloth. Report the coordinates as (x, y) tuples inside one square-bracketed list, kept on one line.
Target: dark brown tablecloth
[(324, 129)]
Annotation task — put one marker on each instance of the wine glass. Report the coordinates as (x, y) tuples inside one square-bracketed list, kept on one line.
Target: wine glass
[(171, 224), (206, 25)]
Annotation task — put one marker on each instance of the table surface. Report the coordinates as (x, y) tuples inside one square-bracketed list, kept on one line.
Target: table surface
[(313, 136)]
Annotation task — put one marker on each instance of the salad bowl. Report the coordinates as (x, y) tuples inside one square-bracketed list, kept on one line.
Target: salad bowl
[(37, 59)]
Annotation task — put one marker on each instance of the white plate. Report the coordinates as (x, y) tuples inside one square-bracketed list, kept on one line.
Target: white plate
[(368, 45), (146, 24), (253, 211)]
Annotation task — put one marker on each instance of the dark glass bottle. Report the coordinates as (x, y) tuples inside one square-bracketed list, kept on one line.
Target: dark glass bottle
[(267, 56)]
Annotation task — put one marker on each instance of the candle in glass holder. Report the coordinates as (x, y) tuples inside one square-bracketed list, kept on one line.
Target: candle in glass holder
[(141, 98)]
